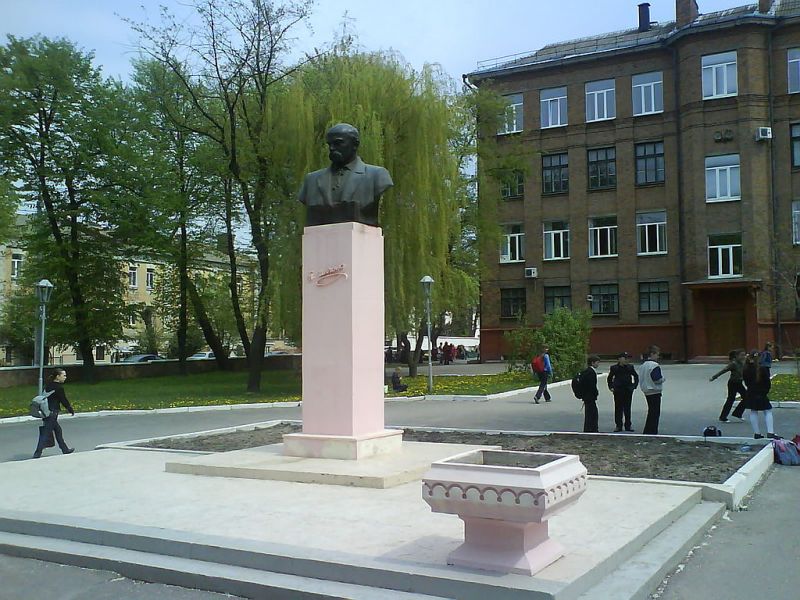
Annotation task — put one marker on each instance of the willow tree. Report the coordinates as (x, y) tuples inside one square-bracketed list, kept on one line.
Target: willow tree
[(407, 120)]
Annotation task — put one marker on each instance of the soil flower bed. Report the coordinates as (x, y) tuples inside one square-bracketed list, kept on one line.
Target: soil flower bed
[(612, 455)]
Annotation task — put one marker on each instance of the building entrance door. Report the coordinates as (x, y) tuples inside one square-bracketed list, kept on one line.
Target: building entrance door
[(725, 330)]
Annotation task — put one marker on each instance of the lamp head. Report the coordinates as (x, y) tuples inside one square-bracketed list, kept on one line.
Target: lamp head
[(44, 289), (426, 282)]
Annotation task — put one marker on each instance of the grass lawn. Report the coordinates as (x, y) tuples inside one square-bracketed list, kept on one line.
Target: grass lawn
[(228, 388), (785, 387)]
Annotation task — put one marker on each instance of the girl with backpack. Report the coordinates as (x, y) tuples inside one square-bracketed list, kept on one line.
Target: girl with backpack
[(757, 380), (50, 424)]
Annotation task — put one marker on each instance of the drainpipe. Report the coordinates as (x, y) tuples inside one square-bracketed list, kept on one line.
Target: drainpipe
[(776, 296), (681, 216)]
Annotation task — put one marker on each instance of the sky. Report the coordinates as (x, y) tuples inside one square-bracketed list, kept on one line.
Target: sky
[(456, 34)]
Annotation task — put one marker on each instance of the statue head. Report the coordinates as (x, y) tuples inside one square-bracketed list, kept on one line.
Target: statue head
[(343, 140)]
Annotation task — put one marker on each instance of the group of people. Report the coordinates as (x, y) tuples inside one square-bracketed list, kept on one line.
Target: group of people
[(750, 378), (623, 379), (446, 353)]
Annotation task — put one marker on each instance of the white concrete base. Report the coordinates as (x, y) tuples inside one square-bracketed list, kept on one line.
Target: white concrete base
[(408, 463), (342, 447)]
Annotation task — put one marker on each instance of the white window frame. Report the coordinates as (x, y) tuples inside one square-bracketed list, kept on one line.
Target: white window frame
[(724, 252), (16, 264), (796, 222), (512, 116), (133, 277), (603, 296), (512, 249), (150, 278), (716, 67), (600, 235), (601, 94), (553, 102), (647, 87), (793, 64), (513, 189), (556, 239), (648, 231), (724, 171)]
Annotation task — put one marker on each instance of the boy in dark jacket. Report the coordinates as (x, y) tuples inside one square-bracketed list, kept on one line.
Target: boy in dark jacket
[(589, 394), (50, 424), (735, 367), (622, 381)]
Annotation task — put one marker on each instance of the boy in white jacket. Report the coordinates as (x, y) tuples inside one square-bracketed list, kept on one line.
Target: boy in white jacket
[(651, 382)]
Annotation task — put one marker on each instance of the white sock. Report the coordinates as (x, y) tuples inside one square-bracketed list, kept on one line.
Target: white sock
[(770, 423), (754, 420)]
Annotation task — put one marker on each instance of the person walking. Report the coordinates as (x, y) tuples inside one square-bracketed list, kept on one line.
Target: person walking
[(758, 382), (735, 367), (589, 394), (651, 382), (50, 423), (543, 369), (622, 380)]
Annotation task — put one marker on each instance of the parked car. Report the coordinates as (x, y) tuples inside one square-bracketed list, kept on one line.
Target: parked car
[(201, 356), (139, 358)]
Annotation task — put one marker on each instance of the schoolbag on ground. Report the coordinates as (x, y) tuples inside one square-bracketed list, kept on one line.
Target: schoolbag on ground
[(577, 385), (786, 452), (537, 364), (40, 407)]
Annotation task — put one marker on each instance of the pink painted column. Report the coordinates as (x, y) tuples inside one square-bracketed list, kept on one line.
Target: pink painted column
[(343, 337)]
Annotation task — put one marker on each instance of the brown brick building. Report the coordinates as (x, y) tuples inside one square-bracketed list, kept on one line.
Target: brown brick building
[(661, 186)]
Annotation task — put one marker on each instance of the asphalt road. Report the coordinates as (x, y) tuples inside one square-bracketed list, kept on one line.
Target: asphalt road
[(690, 403)]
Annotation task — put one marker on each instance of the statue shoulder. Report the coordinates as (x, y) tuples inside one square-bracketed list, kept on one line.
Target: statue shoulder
[(380, 175)]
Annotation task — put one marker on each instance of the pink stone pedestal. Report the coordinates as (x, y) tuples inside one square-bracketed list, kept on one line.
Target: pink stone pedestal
[(343, 336)]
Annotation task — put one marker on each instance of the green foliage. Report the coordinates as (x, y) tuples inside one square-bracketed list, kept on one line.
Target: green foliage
[(195, 342), (785, 388), (565, 331), (8, 208)]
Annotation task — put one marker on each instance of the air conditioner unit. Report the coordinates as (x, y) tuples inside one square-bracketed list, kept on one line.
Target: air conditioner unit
[(531, 272), (763, 133)]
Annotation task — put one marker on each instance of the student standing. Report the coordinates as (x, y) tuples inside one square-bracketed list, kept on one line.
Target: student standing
[(622, 380), (589, 394), (757, 380), (651, 382), (543, 374), (735, 367), (50, 423)]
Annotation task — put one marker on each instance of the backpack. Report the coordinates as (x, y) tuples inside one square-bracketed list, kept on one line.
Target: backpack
[(786, 452), (577, 385), (40, 406), (537, 364), (711, 431)]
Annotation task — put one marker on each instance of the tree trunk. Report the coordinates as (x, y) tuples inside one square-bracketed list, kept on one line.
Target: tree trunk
[(255, 361), (233, 282), (212, 339), (87, 354), (416, 356), (183, 310)]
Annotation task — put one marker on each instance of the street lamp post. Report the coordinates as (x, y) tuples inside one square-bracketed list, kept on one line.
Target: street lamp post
[(44, 289), (427, 282)]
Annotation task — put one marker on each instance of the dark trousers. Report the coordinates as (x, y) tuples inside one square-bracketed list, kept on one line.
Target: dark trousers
[(50, 425), (738, 412), (653, 414), (542, 387), (590, 416), (734, 387), (622, 407)]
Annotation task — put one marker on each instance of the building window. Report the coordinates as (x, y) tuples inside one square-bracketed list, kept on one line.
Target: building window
[(722, 178), (725, 255), (648, 93), (513, 245), (132, 320), (651, 232), (557, 296), (16, 265), (133, 276), (795, 132), (796, 222), (600, 100), (100, 353), (512, 303), (556, 240), (719, 75), (794, 70), (605, 299), (555, 173), (512, 117), (649, 163), (602, 168), (654, 297), (150, 278), (553, 104), (602, 237), (513, 187)]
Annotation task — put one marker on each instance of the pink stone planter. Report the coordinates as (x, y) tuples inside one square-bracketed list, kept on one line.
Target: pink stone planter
[(505, 499)]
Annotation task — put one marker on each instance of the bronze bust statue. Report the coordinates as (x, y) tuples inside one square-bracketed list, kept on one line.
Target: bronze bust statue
[(349, 190)]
